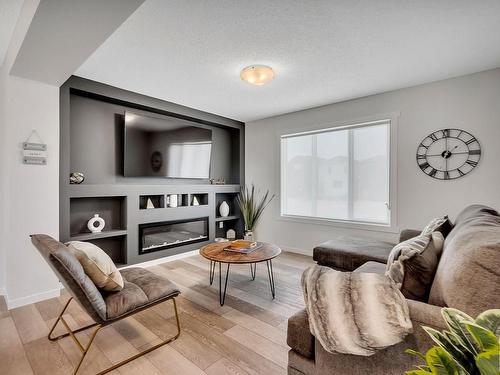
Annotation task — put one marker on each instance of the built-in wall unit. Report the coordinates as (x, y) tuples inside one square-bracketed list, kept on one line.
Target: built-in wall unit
[(154, 171)]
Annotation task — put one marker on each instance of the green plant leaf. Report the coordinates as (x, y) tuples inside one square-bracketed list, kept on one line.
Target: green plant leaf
[(488, 362), (418, 372), (252, 206), (454, 319), (415, 353), (490, 319), (440, 362), (463, 360), (484, 338)]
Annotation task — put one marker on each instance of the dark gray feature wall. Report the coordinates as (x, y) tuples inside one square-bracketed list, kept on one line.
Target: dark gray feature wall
[(97, 145), (92, 142)]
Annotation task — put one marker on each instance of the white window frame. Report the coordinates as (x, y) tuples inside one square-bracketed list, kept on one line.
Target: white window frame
[(392, 226)]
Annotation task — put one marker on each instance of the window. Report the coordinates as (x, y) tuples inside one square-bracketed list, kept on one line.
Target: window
[(338, 174)]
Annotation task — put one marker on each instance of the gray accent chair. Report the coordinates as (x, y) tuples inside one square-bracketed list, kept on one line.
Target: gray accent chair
[(467, 278), (142, 290)]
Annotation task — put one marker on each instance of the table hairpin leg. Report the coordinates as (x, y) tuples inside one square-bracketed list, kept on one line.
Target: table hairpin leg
[(222, 295), (271, 276), (211, 271), (253, 269)]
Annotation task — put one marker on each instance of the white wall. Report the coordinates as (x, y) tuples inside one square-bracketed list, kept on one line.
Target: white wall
[(471, 103), (29, 195), (32, 191)]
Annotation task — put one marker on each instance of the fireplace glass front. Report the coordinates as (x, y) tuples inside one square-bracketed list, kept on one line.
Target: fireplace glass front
[(168, 234)]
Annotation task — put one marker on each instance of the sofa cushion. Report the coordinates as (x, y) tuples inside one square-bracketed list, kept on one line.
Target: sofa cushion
[(372, 267), (468, 275), (348, 253), (97, 265), (141, 288), (413, 263), (299, 337)]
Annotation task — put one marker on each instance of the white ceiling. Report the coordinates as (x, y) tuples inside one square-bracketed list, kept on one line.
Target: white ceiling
[(9, 13), (191, 52)]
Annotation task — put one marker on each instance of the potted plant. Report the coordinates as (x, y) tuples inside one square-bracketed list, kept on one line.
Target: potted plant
[(469, 346), (252, 204)]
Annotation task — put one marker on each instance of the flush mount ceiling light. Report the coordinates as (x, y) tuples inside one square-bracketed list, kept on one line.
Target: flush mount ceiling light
[(257, 74)]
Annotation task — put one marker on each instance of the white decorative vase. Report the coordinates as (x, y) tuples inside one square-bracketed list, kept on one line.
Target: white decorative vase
[(173, 200), (224, 209), (96, 224)]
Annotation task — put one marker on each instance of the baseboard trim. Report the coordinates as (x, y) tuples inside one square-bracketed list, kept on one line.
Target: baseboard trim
[(170, 258), (296, 250), (18, 302)]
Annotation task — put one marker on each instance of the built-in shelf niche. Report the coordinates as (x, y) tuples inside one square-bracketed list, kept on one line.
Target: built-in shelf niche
[(151, 202), (233, 220), (115, 247), (177, 200), (111, 209), (199, 199)]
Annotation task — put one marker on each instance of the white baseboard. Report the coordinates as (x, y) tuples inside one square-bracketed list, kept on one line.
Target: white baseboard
[(296, 250), (18, 302), (170, 258)]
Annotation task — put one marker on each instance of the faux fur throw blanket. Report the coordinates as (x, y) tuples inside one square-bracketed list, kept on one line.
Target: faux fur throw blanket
[(354, 313)]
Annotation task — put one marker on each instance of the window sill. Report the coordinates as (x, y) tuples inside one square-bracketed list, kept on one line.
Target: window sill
[(341, 223)]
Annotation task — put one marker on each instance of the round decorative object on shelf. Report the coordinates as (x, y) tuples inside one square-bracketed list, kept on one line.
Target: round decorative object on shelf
[(96, 224), (224, 209), (76, 178), (448, 154)]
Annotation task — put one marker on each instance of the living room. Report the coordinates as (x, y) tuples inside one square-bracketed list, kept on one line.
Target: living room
[(249, 188)]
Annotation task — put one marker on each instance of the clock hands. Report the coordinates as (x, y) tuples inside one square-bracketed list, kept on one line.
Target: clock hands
[(455, 153)]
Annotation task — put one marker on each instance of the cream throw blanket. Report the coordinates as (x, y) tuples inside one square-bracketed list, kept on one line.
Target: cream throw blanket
[(354, 313)]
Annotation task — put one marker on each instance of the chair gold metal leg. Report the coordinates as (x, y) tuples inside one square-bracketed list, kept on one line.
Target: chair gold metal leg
[(60, 318), (86, 349)]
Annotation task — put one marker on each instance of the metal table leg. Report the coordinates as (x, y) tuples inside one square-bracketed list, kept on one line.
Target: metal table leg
[(271, 277), (253, 269), (222, 295), (211, 272)]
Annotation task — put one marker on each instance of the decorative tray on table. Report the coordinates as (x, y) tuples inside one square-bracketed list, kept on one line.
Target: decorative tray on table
[(242, 246)]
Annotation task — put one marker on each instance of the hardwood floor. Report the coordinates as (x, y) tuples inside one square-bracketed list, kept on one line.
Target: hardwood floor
[(246, 336)]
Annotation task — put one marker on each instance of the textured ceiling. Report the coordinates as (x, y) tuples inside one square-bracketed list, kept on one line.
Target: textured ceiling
[(9, 13), (191, 52)]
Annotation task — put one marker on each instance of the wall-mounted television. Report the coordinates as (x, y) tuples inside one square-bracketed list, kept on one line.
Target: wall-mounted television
[(166, 147)]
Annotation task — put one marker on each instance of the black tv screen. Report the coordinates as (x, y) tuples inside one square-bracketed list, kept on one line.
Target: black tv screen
[(165, 147)]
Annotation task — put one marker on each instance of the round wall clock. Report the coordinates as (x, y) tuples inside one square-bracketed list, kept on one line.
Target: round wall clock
[(447, 154)]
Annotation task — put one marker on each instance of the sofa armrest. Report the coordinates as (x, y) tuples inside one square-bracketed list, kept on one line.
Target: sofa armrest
[(406, 234), (424, 314)]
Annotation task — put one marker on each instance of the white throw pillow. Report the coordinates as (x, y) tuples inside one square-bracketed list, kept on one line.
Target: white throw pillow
[(97, 265)]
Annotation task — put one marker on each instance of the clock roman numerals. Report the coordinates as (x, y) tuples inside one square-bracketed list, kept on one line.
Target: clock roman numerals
[(424, 166), (472, 163), (449, 153)]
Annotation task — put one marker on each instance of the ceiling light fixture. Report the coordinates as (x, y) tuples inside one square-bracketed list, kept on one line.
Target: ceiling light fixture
[(257, 74)]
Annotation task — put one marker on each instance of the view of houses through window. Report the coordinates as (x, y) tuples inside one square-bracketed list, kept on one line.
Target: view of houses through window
[(337, 174)]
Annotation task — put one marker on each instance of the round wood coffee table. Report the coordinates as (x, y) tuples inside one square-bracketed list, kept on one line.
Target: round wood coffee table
[(215, 253)]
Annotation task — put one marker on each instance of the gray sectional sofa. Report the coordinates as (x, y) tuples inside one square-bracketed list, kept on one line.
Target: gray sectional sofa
[(467, 278)]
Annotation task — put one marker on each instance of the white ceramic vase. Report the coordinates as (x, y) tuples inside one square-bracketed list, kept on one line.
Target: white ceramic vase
[(96, 224), (224, 209)]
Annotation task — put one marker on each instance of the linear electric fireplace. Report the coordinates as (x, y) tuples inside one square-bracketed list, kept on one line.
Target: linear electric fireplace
[(168, 234)]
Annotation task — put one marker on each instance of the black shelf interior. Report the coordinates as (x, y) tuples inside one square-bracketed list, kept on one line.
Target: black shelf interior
[(233, 221), (158, 201)]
